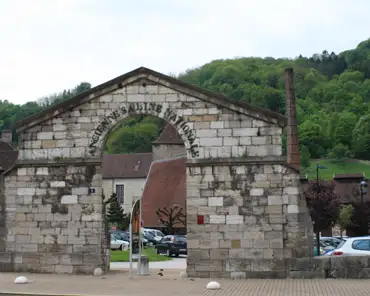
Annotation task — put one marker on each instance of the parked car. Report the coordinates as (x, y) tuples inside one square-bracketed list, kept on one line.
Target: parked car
[(353, 246), (323, 248), (116, 244), (158, 235), (125, 236), (172, 245), (331, 241), (121, 235)]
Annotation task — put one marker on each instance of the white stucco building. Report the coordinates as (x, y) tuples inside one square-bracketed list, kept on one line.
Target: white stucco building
[(125, 174)]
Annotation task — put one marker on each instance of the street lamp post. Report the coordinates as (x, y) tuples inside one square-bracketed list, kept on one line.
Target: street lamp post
[(363, 191)]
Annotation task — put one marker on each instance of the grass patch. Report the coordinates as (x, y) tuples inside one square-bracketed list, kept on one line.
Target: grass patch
[(336, 167), (124, 256)]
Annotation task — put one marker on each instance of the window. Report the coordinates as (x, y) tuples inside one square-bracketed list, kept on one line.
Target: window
[(362, 245), (120, 191)]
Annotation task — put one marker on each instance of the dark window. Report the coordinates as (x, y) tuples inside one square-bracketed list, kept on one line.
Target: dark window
[(362, 245), (120, 191)]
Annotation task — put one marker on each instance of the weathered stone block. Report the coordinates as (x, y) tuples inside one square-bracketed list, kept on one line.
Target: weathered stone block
[(217, 219), (256, 192), (45, 144), (26, 191), (45, 136), (215, 201), (69, 199), (275, 200), (57, 184), (234, 219)]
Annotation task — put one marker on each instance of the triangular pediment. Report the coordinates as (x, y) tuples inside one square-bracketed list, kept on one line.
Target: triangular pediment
[(149, 77)]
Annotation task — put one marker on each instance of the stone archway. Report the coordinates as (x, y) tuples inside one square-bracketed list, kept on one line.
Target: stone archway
[(244, 211)]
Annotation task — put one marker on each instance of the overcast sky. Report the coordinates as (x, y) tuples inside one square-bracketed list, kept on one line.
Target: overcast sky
[(49, 45)]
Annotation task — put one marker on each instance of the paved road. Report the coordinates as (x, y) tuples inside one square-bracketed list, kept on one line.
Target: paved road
[(119, 283), (176, 263)]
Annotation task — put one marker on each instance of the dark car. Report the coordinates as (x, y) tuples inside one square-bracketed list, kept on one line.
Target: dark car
[(173, 245)]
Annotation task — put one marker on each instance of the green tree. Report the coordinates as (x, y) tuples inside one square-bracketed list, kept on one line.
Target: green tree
[(135, 139), (312, 136), (345, 217), (115, 215), (361, 138), (339, 152), (305, 157)]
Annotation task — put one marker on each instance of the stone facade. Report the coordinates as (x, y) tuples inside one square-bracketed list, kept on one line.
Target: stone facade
[(254, 217)]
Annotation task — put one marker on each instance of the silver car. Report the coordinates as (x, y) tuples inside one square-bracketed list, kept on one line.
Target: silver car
[(352, 246)]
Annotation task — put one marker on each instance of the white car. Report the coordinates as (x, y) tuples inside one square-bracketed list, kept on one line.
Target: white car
[(116, 244), (352, 246), (158, 235)]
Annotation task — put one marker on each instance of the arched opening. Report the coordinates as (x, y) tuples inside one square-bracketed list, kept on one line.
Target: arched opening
[(143, 158)]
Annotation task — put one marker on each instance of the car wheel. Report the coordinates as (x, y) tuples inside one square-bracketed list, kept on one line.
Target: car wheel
[(121, 247), (168, 253), (177, 255)]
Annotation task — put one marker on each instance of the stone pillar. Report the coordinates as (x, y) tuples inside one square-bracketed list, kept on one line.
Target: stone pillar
[(55, 223), (293, 157)]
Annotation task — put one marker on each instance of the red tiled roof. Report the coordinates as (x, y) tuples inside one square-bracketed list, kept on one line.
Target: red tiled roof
[(126, 165), (169, 135), (165, 187)]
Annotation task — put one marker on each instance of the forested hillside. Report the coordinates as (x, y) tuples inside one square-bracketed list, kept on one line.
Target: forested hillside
[(333, 97)]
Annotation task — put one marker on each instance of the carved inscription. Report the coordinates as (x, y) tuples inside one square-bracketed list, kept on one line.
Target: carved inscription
[(146, 108)]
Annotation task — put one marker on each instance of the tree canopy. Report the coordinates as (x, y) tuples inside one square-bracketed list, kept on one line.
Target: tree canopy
[(333, 100)]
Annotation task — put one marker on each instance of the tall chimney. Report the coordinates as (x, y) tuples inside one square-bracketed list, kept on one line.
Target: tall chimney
[(6, 136), (293, 157)]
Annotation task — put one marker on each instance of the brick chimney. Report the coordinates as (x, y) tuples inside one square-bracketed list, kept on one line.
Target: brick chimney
[(293, 157), (6, 136)]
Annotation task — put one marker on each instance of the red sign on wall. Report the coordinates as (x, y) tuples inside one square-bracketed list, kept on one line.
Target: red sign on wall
[(200, 219)]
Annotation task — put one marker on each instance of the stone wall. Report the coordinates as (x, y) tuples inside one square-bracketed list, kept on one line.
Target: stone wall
[(54, 224), (349, 267), (254, 219), (254, 216)]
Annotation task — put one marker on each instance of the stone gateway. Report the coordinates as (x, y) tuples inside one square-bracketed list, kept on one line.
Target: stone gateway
[(255, 222)]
